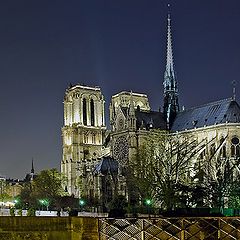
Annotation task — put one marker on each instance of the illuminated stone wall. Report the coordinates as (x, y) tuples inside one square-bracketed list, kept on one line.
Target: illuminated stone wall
[(218, 137), (82, 134), (123, 99)]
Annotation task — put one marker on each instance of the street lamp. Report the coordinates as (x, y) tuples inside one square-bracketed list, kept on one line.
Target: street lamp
[(44, 202), (81, 203), (41, 201), (148, 202), (16, 202)]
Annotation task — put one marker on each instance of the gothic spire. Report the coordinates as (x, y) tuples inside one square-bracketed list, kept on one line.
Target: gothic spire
[(169, 64), (32, 170), (171, 106)]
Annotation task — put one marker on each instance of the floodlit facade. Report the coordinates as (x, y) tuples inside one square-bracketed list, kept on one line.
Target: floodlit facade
[(83, 134), (94, 159)]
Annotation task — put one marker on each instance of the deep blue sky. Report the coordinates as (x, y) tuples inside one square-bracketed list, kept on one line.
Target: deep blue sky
[(117, 45)]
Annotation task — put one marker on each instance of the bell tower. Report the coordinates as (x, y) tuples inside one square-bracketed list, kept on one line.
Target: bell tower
[(82, 134)]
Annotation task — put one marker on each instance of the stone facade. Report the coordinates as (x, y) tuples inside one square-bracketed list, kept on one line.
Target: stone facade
[(124, 139), (215, 124), (83, 134)]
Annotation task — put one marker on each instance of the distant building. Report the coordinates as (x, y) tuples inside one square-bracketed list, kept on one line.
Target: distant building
[(2, 184), (94, 158), (11, 188), (30, 176)]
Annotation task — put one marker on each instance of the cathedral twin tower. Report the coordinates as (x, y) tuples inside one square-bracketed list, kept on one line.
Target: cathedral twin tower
[(83, 132)]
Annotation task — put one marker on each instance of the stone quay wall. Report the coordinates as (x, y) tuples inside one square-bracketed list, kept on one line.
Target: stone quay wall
[(48, 228), (90, 228)]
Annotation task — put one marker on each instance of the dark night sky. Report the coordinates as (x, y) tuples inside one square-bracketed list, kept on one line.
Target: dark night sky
[(117, 45)]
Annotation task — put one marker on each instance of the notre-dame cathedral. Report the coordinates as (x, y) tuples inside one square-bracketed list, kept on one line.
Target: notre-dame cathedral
[(93, 155)]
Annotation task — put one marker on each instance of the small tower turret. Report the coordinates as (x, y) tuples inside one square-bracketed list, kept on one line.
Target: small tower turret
[(131, 114)]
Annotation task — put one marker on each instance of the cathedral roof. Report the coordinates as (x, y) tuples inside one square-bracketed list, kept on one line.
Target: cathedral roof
[(150, 119), (223, 111), (106, 165), (147, 119)]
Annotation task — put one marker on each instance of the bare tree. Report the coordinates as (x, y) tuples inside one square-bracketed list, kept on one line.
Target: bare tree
[(169, 169), (164, 165)]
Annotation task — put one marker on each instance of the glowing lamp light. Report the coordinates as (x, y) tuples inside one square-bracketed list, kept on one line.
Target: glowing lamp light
[(148, 202), (81, 202), (44, 202)]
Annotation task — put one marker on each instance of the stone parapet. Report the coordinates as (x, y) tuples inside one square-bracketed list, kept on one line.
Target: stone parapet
[(48, 228)]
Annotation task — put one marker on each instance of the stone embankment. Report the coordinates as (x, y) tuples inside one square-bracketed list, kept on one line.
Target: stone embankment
[(48, 228)]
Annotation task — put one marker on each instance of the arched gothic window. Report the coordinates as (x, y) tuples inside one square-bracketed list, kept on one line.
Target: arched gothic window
[(84, 111), (92, 112), (235, 148)]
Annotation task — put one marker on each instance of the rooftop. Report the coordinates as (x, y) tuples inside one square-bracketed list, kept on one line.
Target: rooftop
[(222, 111)]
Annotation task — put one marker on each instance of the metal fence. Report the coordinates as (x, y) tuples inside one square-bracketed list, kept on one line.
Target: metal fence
[(210, 228)]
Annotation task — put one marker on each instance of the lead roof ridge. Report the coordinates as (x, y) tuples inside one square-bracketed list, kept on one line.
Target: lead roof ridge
[(209, 103)]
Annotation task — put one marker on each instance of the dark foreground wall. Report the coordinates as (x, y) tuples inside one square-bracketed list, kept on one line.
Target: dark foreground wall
[(48, 228), (84, 228)]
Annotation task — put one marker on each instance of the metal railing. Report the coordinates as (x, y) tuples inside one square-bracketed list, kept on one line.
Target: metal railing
[(200, 228)]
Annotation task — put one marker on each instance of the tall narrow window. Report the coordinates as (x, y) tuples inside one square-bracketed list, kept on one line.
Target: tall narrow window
[(232, 151), (224, 152), (93, 138), (223, 149), (212, 149), (237, 151), (85, 138), (84, 111), (235, 148), (92, 112)]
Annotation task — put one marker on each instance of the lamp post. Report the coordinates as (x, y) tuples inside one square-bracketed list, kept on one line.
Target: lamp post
[(41, 201), (148, 203), (81, 203), (44, 202), (16, 202)]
